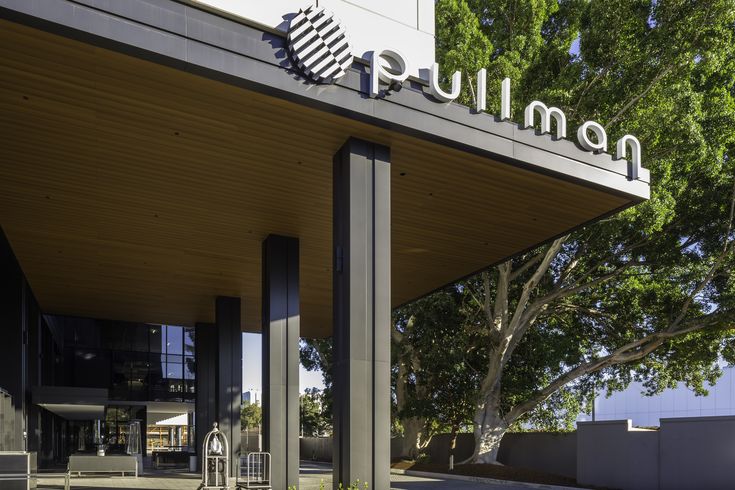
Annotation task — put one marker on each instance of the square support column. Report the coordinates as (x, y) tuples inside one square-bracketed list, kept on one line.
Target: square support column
[(229, 374), (281, 318), (206, 384), (362, 314), (219, 377)]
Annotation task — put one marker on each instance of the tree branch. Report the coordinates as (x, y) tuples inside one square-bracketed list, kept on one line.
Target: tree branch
[(639, 96), (564, 292), (526, 265), (589, 85), (630, 352), (531, 284), (472, 88), (500, 310), (713, 268)]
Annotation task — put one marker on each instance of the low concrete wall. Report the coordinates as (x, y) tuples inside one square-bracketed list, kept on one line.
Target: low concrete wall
[(250, 442), (320, 448), (697, 452), (612, 454), (316, 448), (552, 453), (543, 451), (396, 446), (684, 454), (438, 450)]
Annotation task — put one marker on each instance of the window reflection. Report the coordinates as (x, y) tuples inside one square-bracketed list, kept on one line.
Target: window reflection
[(136, 362), (174, 370), (189, 368), (189, 341), (174, 340), (156, 338)]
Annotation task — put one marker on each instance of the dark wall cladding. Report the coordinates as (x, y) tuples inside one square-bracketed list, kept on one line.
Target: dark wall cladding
[(14, 299), (135, 361)]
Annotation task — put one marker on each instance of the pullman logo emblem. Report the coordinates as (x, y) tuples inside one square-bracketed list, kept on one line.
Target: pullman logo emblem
[(318, 44)]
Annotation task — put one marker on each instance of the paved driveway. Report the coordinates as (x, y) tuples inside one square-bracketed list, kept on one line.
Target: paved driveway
[(313, 473), (312, 476), (405, 482)]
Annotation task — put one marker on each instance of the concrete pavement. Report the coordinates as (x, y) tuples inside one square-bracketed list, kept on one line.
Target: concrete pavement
[(311, 478)]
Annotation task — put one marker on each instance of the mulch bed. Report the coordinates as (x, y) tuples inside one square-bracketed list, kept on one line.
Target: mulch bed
[(499, 472)]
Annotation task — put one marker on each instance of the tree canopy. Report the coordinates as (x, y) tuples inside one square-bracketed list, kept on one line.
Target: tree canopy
[(647, 294), (315, 421), (644, 295), (251, 416)]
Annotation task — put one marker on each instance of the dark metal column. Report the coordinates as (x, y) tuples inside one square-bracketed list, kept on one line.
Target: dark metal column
[(34, 321), (229, 374), (281, 357), (362, 319), (206, 383)]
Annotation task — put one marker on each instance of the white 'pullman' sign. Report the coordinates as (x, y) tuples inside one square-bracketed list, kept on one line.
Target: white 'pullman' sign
[(318, 43), (390, 67)]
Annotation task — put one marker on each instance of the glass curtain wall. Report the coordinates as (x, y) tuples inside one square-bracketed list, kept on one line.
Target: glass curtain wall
[(136, 362)]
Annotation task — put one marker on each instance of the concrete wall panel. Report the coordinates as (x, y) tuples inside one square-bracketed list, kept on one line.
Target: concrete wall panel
[(552, 453), (542, 451), (697, 453), (612, 454)]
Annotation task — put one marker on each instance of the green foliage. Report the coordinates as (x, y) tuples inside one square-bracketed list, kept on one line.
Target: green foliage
[(430, 348), (251, 416), (658, 276), (352, 486), (316, 355), (460, 44), (315, 422), (664, 71)]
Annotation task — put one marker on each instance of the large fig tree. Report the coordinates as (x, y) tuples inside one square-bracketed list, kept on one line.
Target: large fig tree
[(647, 294)]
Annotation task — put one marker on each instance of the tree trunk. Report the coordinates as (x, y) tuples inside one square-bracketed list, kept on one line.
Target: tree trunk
[(412, 443), (490, 428), (487, 444)]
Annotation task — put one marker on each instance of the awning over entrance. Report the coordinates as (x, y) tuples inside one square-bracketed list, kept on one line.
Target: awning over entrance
[(138, 191)]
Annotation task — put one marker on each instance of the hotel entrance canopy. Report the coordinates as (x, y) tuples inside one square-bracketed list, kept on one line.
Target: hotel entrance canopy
[(167, 164), (147, 153)]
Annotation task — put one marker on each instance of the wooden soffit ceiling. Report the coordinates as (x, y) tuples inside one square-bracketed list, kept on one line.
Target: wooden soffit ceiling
[(134, 191)]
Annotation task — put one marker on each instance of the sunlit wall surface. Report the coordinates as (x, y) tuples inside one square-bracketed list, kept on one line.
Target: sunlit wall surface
[(406, 25), (646, 411)]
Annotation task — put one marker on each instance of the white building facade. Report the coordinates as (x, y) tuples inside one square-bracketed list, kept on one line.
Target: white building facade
[(646, 411), (371, 24)]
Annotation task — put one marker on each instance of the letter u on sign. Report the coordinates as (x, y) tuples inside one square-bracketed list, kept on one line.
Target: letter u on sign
[(437, 91)]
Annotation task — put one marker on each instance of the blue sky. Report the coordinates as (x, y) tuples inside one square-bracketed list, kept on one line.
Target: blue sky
[(574, 48), (252, 370)]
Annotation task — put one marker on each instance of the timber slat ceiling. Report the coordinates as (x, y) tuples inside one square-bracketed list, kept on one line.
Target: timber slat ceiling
[(134, 191)]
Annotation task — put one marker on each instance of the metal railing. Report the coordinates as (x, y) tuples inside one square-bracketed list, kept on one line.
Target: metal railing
[(256, 470)]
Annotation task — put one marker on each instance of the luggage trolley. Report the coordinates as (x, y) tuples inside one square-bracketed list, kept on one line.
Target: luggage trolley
[(216, 464), (257, 471)]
